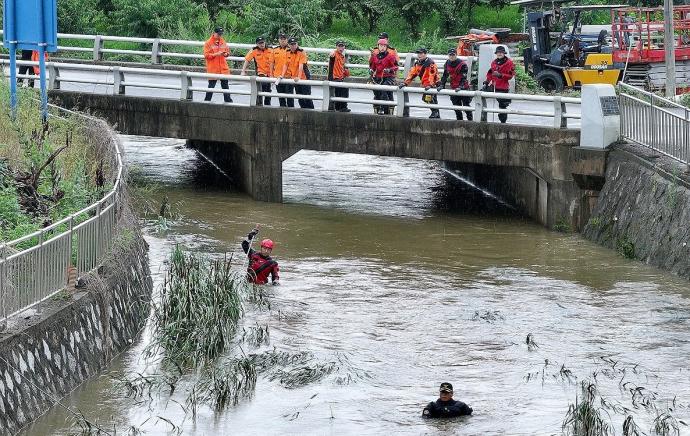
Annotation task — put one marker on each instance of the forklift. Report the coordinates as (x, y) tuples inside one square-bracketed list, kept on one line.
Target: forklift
[(574, 59)]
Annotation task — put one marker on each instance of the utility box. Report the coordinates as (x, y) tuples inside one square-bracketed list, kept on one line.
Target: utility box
[(486, 56), (601, 118)]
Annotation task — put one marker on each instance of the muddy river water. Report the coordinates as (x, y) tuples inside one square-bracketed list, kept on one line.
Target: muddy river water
[(407, 278)]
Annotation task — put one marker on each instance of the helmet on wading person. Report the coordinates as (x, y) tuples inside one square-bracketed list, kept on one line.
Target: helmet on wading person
[(267, 243)]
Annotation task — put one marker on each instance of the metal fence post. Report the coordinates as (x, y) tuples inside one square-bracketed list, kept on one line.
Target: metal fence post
[(53, 76), (118, 78), (254, 99), (559, 121), (401, 109), (185, 84), (156, 52), (650, 121), (70, 241), (97, 255), (97, 47), (3, 289), (407, 65), (479, 102), (326, 92), (40, 272)]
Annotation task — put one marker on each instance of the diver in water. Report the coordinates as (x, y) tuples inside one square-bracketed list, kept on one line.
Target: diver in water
[(446, 406), (261, 265)]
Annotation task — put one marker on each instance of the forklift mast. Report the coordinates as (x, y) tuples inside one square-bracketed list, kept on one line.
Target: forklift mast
[(539, 28)]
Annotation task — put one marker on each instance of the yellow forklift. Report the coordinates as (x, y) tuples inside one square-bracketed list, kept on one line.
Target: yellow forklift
[(574, 59)]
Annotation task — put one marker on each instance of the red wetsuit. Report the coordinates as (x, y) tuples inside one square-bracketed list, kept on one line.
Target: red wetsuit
[(260, 266)]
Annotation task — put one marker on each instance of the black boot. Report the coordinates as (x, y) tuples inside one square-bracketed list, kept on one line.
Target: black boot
[(435, 114)]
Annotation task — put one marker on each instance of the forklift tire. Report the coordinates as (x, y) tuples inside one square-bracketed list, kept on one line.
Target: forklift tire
[(550, 81)]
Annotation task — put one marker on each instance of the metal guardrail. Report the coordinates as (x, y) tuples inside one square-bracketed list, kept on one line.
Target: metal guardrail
[(157, 53), (29, 276), (655, 122), (119, 79)]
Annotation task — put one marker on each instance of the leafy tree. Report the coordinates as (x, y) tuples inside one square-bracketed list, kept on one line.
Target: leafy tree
[(151, 18), (79, 16), (298, 18)]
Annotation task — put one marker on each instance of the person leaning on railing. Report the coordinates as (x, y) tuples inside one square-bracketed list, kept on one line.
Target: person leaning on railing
[(262, 57), (498, 78), (294, 68), (278, 57), (425, 68), (337, 72), (382, 68), (215, 53), (457, 71)]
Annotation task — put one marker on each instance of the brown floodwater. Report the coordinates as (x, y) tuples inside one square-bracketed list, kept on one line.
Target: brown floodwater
[(407, 278)]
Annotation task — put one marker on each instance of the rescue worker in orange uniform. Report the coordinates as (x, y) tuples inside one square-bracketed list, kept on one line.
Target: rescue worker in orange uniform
[(338, 72), (498, 77), (36, 68), (425, 68), (278, 56), (262, 57), (261, 265), (382, 69), (457, 71), (25, 69), (215, 53), (294, 68)]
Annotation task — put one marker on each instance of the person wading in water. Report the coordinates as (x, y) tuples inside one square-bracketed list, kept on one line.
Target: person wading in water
[(446, 406), (260, 263)]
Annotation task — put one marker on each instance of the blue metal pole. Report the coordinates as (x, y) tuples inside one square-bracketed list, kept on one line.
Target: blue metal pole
[(11, 38), (42, 62)]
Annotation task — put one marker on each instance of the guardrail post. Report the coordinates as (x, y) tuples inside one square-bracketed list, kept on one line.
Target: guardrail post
[(650, 127), (118, 78), (559, 121), (98, 234), (3, 289), (97, 47), (185, 84), (327, 94), (407, 65), (53, 77), (479, 104), (156, 52), (70, 241), (254, 99), (40, 272), (401, 109)]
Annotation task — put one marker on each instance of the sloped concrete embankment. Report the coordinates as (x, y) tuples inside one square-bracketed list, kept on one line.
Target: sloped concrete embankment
[(643, 210)]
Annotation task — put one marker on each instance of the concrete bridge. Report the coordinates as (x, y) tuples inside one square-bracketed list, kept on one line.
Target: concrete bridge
[(536, 168)]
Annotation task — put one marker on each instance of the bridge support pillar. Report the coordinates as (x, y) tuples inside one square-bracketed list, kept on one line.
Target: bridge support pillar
[(258, 171)]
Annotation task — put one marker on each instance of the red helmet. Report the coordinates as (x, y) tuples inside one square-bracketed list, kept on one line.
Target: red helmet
[(267, 243)]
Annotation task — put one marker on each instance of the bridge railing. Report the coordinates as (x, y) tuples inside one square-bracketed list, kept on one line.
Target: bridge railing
[(35, 267), (181, 83), (655, 122), (162, 49)]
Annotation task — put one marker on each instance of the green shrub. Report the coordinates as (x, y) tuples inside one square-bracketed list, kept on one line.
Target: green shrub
[(270, 17)]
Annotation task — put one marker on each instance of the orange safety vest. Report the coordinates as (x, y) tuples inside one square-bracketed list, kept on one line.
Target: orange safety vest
[(34, 58), (337, 69), (293, 61), (278, 58), (262, 60), (216, 64), (427, 72)]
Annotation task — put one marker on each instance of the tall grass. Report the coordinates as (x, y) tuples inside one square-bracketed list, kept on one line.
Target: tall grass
[(201, 305)]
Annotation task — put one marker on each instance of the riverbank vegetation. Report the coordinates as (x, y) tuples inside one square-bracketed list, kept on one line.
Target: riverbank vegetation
[(47, 171)]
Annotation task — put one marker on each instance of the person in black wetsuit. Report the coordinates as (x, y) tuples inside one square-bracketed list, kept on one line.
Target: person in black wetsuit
[(446, 406)]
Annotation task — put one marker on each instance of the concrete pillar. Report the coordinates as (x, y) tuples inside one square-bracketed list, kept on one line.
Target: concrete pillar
[(257, 170)]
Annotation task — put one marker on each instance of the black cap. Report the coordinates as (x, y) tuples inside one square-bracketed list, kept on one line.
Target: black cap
[(452, 51), (421, 50), (219, 30), (260, 39), (500, 49), (383, 35), (340, 42), (446, 387), (292, 40), (282, 35)]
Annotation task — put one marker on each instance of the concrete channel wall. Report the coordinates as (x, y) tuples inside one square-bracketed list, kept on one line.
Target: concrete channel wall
[(643, 211), (47, 355)]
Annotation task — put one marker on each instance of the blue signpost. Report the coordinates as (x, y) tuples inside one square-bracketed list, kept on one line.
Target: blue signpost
[(30, 25)]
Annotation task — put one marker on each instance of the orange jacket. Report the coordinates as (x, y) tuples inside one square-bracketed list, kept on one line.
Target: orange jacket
[(292, 63), (216, 63), (278, 59), (427, 72), (336, 66), (262, 60), (34, 58)]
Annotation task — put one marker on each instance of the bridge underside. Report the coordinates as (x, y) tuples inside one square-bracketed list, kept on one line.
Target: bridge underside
[(252, 143)]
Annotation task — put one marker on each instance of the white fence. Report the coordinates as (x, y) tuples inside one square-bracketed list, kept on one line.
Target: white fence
[(28, 276), (173, 49), (655, 122), (180, 85)]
